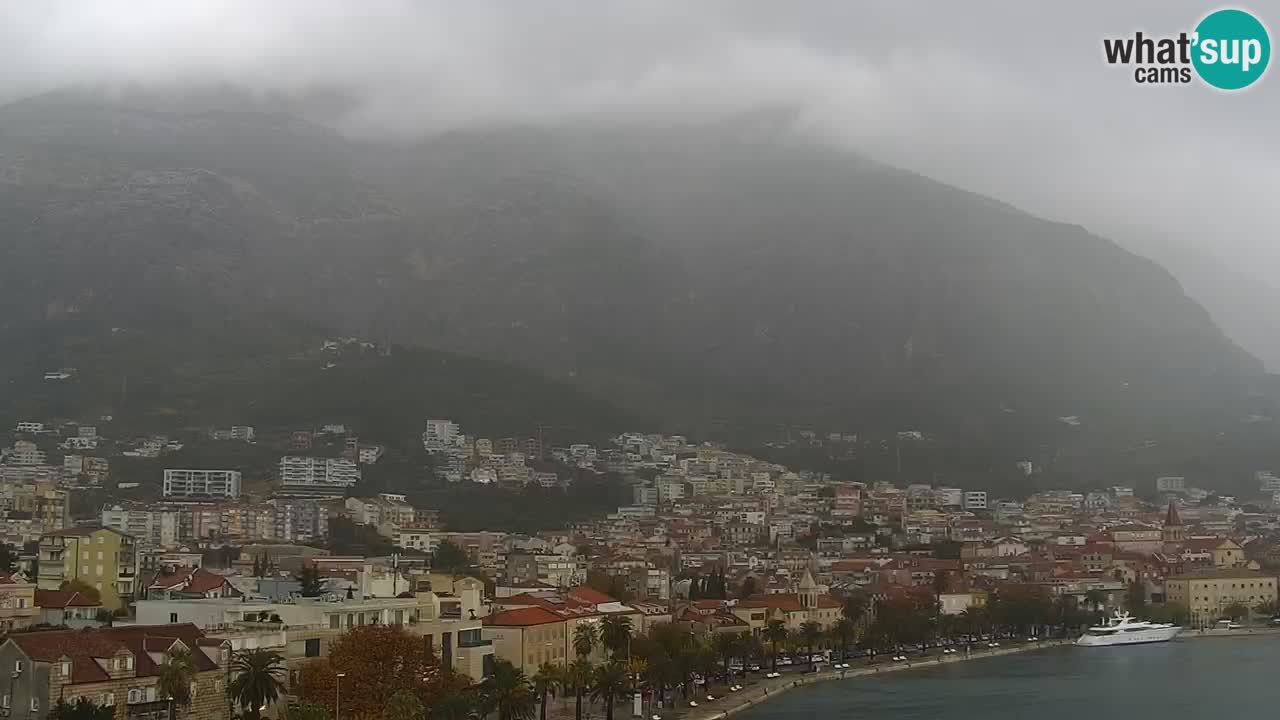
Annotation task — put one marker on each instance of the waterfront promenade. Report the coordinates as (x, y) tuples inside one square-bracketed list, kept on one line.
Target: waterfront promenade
[(729, 703)]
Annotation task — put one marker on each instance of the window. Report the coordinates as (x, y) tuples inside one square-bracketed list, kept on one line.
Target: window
[(84, 555), (66, 669), (335, 622), (101, 540), (5, 702), (109, 699), (312, 648), (128, 663), (17, 666), (35, 704), (135, 696), (173, 618)]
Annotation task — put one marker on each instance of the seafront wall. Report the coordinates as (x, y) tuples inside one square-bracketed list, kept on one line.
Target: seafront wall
[(768, 689)]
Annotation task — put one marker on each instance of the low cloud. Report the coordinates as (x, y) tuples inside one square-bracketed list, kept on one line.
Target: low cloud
[(1008, 99)]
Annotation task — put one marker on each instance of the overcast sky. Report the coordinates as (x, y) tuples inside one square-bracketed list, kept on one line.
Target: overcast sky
[(1011, 99)]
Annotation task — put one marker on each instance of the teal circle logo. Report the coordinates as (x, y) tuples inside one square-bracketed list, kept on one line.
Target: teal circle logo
[(1232, 49)]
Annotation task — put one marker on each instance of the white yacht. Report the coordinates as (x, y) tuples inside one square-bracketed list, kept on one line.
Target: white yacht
[(1124, 630)]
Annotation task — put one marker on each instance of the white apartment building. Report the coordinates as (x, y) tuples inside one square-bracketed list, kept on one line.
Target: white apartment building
[(78, 442), (26, 453), (154, 528), (440, 434), (386, 509), (450, 626), (29, 427), (300, 520), (202, 483), (317, 477), (1171, 484), (416, 536), (950, 497), (975, 500)]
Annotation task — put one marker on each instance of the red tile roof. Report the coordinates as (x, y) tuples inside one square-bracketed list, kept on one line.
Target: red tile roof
[(83, 647), (63, 599), (588, 594), (786, 602), (521, 617), (192, 580)]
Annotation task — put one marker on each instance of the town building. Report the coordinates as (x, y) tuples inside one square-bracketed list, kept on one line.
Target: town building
[(793, 609), (18, 610), (201, 484), (104, 558), (302, 476), (1206, 594), (304, 628), (115, 667)]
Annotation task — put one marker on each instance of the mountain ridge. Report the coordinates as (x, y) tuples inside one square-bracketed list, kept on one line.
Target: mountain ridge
[(714, 277)]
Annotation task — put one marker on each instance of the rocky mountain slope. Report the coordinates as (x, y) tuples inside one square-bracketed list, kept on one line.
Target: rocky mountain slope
[(713, 277)]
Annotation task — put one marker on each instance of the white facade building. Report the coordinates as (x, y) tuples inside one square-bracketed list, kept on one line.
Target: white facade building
[(312, 476), (202, 483), (975, 500), (438, 435)]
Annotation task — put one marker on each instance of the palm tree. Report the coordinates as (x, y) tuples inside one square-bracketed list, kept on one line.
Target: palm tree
[(543, 681), (580, 675), (609, 681), (810, 634), (404, 705), (507, 691), (726, 646), (974, 620), (615, 633), (637, 669), (460, 704), (174, 681), (584, 640), (1235, 611), (775, 632), (1096, 599), (258, 682), (842, 633)]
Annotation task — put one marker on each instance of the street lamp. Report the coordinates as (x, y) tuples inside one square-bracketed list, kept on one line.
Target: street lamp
[(337, 695)]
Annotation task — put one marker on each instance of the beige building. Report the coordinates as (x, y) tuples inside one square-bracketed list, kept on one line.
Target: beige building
[(304, 628), (103, 558), (1207, 593), (793, 609), (1229, 554), (527, 637), (18, 609)]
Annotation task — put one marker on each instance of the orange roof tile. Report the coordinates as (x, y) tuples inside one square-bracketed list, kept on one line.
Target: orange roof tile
[(520, 617)]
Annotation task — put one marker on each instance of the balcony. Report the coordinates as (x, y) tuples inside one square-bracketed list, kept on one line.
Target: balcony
[(474, 643)]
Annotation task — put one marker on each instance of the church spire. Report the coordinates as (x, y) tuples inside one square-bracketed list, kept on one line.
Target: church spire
[(808, 591), (1171, 533)]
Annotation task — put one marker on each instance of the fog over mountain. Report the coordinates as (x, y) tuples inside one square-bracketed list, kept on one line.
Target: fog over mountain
[(878, 215), (1014, 102)]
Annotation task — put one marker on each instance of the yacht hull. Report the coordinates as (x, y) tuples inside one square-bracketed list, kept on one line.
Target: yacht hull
[(1137, 637)]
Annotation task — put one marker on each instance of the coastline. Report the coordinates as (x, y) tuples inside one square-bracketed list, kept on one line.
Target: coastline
[(767, 690), (1242, 632)]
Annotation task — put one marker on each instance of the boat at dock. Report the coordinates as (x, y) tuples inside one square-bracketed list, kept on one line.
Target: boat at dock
[(1123, 629)]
